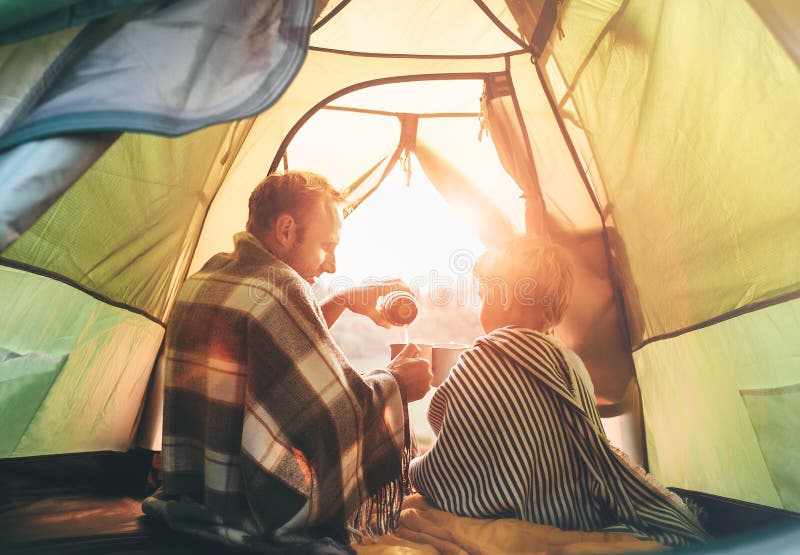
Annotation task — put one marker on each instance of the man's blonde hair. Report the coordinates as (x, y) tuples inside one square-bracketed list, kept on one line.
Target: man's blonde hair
[(533, 272), (292, 192)]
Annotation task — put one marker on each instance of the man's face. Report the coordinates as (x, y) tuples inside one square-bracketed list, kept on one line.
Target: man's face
[(313, 250)]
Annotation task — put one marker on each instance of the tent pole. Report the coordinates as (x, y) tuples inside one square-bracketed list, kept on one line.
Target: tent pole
[(535, 210), (612, 275)]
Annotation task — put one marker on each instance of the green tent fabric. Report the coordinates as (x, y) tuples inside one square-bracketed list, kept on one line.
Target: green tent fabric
[(29, 189), (775, 414), (117, 230), (28, 66), (25, 380), (92, 402), (664, 144), (225, 61)]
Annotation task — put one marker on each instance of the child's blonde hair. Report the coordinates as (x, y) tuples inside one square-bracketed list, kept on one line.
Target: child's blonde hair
[(535, 272)]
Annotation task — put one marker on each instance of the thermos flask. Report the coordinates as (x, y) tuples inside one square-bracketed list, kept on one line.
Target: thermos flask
[(399, 308)]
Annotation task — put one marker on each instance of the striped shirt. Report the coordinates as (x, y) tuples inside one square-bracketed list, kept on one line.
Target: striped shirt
[(518, 435)]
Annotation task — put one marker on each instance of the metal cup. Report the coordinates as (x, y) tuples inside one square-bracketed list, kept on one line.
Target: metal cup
[(425, 350), (443, 358)]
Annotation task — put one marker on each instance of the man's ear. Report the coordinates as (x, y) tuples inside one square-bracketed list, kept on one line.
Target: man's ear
[(285, 230)]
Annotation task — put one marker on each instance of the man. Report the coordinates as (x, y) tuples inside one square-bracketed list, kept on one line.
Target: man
[(268, 430)]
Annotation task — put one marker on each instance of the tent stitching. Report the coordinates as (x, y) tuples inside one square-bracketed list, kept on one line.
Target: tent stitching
[(74, 284), (742, 310)]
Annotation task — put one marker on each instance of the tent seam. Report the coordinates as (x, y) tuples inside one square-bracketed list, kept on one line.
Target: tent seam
[(418, 56), (75, 285), (730, 315), (331, 14), (528, 148), (590, 54), (232, 155), (395, 114), (505, 30), (613, 276)]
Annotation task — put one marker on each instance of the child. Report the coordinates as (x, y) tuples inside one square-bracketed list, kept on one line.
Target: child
[(518, 433)]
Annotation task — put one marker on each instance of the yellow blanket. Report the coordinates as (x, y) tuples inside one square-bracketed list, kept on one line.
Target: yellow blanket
[(429, 531)]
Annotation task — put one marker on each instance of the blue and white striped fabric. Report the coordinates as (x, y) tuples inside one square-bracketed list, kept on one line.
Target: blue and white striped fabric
[(518, 435)]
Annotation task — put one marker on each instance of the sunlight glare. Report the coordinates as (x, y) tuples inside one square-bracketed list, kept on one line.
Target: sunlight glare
[(402, 231)]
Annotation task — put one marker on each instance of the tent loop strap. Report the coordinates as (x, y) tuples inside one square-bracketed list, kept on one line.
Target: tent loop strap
[(483, 117), (348, 191), (408, 142), (405, 165), (392, 161), (402, 154)]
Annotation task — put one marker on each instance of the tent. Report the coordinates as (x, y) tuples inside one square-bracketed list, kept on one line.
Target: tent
[(656, 140)]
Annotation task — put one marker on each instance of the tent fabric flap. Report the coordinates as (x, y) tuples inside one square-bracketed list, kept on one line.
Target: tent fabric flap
[(704, 431), (82, 363), (783, 18), (504, 126), (775, 415), (25, 380), (176, 69), (490, 225), (26, 69), (701, 185), (127, 228), (34, 175)]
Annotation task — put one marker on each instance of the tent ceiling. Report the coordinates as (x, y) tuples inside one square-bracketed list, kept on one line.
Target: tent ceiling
[(418, 97), (426, 27), (369, 138), (322, 146)]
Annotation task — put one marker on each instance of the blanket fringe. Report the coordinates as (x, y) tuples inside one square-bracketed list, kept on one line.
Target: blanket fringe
[(690, 510), (380, 514)]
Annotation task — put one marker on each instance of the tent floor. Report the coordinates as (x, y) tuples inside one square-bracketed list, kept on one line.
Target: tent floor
[(91, 504), (84, 504)]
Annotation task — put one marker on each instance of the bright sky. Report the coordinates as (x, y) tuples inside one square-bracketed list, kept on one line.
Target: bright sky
[(406, 232)]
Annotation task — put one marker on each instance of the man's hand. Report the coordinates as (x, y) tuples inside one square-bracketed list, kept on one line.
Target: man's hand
[(413, 371), (362, 300)]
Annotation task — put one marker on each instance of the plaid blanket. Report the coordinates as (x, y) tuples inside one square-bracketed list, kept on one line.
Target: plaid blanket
[(267, 427), (518, 435)]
